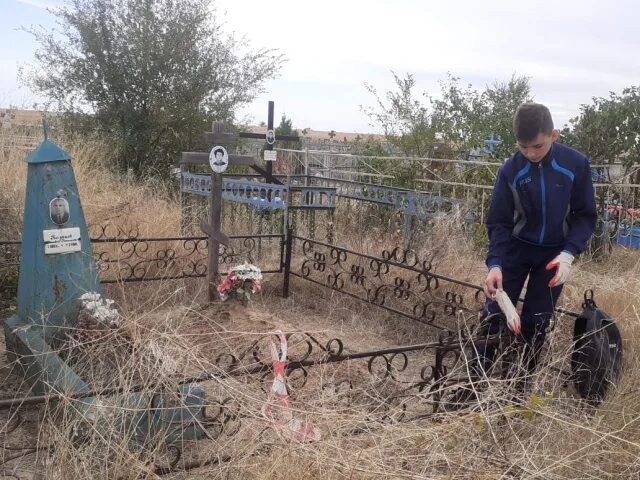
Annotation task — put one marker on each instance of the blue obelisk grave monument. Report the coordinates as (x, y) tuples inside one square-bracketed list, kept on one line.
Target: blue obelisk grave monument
[(56, 268), (57, 263)]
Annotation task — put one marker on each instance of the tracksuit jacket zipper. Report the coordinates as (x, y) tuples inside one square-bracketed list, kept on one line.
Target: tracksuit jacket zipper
[(544, 203)]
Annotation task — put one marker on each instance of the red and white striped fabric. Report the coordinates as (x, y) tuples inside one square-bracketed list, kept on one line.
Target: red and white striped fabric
[(278, 410)]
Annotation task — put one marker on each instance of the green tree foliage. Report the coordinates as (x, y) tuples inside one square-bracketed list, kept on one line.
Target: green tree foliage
[(608, 130), (405, 121), (151, 74), (457, 116), (461, 117), (501, 101), (286, 128), (368, 146)]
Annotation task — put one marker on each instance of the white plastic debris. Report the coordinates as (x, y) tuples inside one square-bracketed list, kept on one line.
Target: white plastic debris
[(513, 319), (278, 409)]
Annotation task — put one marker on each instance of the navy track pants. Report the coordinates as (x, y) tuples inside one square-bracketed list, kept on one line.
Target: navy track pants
[(524, 260)]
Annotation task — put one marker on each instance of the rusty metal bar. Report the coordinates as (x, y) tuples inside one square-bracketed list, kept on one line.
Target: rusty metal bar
[(7, 403)]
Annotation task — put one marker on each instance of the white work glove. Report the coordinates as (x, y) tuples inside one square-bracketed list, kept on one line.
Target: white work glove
[(513, 319), (493, 283), (562, 264)]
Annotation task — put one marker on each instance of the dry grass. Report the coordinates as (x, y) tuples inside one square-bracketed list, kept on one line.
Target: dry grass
[(106, 197), (168, 330)]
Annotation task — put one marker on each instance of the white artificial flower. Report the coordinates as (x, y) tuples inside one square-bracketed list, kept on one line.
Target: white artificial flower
[(247, 271), (90, 297), (100, 309), (91, 305)]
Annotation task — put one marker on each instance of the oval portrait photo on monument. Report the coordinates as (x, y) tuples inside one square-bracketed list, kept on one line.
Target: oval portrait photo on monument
[(271, 137), (218, 159), (59, 210)]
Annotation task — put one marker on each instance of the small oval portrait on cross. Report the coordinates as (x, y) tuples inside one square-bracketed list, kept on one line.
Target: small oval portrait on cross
[(59, 210), (271, 137), (218, 159)]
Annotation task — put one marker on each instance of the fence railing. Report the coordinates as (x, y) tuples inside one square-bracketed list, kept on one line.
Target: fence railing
[(145, 259), (397, 280), (470, 182), (618, 203), (306, 159)]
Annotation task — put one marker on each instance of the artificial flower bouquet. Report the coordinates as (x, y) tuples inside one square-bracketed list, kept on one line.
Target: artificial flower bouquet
[(242, 281), (96, 315)]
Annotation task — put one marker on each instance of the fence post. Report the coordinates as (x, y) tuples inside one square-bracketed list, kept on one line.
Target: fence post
[(288, 249), (306, 167), (187, 207)]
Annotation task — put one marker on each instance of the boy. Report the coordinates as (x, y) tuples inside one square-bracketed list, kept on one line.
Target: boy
[(542, 214)]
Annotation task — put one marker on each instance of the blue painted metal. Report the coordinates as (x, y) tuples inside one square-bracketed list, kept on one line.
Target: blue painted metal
[(314, 197), (43, 368), (49, 287), (195, 183), (600, 174), (409, 202), (47, 152), (321, 195), (491, 142), (629, 236), (180, 418), (176, 416), (266, 196)]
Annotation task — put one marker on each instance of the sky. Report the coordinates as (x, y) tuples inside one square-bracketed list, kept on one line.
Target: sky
[(571, 50)]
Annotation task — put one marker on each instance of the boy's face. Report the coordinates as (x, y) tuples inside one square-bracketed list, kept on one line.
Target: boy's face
[(536, 149)]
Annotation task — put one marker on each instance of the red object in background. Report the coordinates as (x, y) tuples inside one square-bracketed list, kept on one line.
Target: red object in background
[(622, 212), (232, 283)]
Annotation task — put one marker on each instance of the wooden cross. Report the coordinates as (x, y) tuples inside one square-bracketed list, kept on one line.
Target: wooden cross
[(213, 229), (218, 137), (270, 140)]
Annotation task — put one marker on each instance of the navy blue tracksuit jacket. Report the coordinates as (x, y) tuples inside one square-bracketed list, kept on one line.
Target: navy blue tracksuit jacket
[(538, 210)]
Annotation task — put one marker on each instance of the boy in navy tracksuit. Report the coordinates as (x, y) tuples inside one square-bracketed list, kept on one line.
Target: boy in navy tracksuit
[(542, 214)]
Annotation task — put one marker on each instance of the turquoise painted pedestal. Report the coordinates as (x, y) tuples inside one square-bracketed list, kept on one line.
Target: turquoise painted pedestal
[(57, 267)]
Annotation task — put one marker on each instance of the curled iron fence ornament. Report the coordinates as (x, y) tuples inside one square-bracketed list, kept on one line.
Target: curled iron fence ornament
[(145, 259), (419, 380), (398, 280), (122, 254)]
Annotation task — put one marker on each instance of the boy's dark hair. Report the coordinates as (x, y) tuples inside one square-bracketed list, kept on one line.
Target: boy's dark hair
[(530, 120)]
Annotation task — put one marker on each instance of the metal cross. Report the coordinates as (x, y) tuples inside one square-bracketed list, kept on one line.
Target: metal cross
[(213, 229), (270, 140), (491, 142)]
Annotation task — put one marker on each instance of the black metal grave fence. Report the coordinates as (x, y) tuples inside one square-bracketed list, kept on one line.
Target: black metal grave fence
[(404, 382), (126, 256), (397, 280), (388, 384)]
